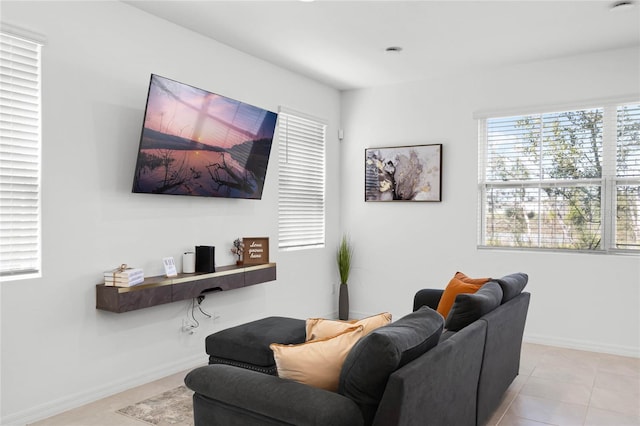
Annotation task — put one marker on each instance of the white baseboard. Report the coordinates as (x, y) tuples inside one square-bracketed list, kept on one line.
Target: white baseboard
[(583, 345), (359, 315), (70, 402)]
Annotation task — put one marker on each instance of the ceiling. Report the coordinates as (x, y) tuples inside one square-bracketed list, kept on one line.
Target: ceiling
[(342, 43)]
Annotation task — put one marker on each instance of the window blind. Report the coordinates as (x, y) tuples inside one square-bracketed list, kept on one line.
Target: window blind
[(301, 181), (561, 180), (19, 156), (627, 196)]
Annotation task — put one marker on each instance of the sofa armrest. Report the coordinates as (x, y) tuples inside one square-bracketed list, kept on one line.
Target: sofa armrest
[(503, 346), (428, 296), (438, 388), (236, 393)]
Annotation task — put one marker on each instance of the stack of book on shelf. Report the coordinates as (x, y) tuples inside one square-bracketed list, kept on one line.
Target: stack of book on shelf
[(124, 277)]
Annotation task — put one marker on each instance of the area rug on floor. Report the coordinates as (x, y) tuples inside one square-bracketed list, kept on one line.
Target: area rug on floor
[(173, 407)]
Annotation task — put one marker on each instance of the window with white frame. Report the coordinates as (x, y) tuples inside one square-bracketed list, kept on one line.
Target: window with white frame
[(301, 181), (20, 79), (562, 180)]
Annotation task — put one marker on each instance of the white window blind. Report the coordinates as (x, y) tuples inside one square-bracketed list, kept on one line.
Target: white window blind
[(627, 182), (301, 181), (19, 156), (562, 180)]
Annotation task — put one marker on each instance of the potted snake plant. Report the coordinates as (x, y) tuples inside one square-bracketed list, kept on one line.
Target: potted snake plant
[(344, 256)]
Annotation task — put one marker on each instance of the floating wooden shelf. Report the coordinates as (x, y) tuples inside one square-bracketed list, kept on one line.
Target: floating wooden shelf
[(159, 290)]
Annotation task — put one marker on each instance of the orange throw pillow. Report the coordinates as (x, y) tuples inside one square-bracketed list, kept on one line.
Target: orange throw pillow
[(460, 283)]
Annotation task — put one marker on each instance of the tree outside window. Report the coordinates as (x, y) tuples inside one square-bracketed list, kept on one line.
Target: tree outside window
[(553, 180)]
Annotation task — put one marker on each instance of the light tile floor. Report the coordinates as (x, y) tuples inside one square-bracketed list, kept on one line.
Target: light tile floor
[(556, 386), (568, 387)]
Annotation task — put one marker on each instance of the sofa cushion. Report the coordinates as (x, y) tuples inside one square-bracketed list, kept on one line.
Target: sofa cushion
[(512, 285), (470, 307), (318, 328), (378, 354), (318, 362), (460, 283)]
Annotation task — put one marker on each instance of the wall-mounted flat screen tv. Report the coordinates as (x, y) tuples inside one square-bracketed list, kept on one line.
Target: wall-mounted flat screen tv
[(199, 143)]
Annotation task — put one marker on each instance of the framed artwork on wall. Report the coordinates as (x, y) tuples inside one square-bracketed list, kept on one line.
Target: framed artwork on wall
[(403, 173)]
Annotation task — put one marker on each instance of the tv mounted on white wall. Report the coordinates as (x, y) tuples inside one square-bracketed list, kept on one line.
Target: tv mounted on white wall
[(198, 143)]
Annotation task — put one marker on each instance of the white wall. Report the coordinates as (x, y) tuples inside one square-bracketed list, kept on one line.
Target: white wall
[(585, 301), (58, 351)]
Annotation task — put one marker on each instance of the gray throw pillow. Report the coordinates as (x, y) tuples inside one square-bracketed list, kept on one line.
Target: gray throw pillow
[(512, 285), (468, 308), (371, 361)]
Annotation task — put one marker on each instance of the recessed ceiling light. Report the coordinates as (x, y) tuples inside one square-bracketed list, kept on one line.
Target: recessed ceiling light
[(396, 49), (622, 5)]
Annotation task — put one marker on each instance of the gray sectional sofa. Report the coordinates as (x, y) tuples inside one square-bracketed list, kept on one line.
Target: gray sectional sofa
[(419, 370)]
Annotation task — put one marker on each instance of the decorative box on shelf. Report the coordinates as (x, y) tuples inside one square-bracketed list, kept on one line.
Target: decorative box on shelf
[(159, 290)]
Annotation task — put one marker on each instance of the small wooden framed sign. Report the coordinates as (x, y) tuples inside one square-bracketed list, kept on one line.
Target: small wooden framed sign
[(256, 250)]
